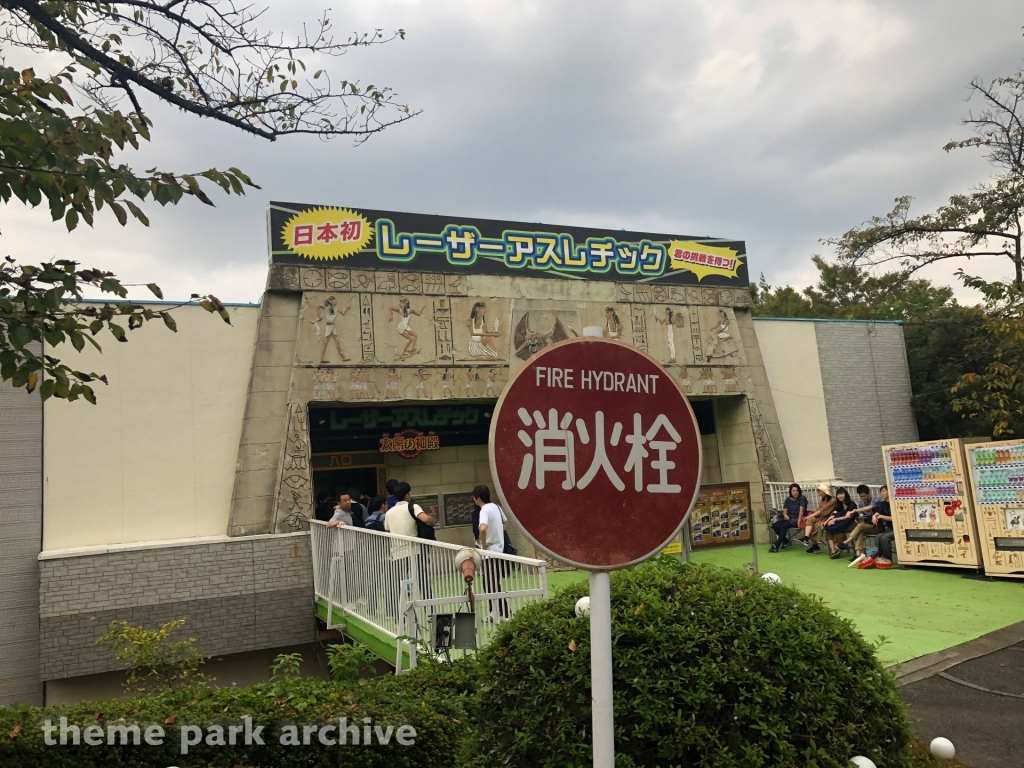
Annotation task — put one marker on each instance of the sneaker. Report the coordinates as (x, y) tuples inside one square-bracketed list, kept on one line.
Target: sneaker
[(772, 550), (883, 563), (813, 549), (843, 545), (783, 545), (856, 561), (835, 555), (867, 562)]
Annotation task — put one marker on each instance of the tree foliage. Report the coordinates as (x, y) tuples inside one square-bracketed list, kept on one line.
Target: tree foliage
[(62, 136), (986, 221), (849, 292), (155, 663)]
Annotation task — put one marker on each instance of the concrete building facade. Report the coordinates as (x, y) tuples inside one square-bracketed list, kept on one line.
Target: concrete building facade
[(185, 491)]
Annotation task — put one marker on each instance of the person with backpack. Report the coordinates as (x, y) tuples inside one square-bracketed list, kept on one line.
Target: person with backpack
[(377, 509), (358, 510), (408, 519), (492, 539)]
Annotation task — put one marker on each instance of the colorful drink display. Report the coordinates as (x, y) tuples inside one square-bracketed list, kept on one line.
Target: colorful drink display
[(998, 474), (922, 472)]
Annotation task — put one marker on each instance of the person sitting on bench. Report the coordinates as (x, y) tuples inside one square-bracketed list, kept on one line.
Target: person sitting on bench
[(793, 509), (843, 518), (812, 523), (865, 526)]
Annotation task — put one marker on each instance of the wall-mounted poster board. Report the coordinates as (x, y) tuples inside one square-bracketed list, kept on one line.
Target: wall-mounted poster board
[(458, 509), (997, 482), (721, 516), (431, 504)]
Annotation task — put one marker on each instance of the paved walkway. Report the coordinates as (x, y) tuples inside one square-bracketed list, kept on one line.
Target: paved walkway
[(972, 694)]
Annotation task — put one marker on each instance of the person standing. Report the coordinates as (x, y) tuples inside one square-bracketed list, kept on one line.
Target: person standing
[(390, 485), (492, 539), (793, 508), (358, 510), (345, 547), (408, 519)]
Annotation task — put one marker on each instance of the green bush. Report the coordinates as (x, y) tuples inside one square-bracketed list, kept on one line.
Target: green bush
[(424, 700), (712, 668)]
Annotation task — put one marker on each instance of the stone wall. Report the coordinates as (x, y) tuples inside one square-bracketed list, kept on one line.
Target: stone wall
[(338, 333), (21, 521), (866, 383), (238, 595)]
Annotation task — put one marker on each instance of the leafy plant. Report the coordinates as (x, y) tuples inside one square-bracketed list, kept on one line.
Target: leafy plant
[(286, 666), (155, 663), (712, 668), (349, 662)]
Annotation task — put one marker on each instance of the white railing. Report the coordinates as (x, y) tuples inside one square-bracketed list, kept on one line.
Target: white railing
[(779, 491), (394, 583)]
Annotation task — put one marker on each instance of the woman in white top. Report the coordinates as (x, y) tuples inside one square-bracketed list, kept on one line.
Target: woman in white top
[(405, 312), (479, 349)]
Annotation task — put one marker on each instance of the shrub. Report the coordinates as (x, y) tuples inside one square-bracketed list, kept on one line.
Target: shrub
[(425, 701), (712, 668)]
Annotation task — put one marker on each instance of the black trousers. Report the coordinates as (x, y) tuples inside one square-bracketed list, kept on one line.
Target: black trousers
[(885, 544), (492, 583), (781, 529)]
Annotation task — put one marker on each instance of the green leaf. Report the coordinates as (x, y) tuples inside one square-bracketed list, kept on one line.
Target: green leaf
[(155, 290)]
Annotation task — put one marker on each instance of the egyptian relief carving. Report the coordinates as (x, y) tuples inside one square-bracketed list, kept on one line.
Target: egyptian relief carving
[(312, 279), (481, 329), (403, 329), (638, 319), (339, 280), (671, 342), (765, 450), (295, 499), (721, 338), (325, 384), (534, 329), (366, 327), (695, 339)]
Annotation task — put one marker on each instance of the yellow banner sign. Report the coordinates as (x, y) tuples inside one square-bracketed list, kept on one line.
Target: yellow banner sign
[(327, 233), (703, 260)]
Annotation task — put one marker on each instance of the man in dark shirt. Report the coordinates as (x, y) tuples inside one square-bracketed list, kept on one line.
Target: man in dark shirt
[(391, 485), (324, 506), (358, 510), (887, 536)]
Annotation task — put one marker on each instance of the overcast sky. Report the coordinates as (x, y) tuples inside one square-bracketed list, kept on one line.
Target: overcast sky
[(777, 123)]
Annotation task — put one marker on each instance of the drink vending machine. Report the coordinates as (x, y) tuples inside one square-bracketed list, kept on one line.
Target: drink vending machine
[(997, 484), (931, 504)]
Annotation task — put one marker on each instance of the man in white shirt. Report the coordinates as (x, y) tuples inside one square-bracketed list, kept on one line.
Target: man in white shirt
[(492, 539), (400, 521)]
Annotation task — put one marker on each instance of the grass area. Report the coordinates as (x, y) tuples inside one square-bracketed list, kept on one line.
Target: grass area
[(919, 610)]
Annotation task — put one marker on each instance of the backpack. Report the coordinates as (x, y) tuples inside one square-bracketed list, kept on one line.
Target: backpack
[(377, 523), (509, 549), (423, 530)]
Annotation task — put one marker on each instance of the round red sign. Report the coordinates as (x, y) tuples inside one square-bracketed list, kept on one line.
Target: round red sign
[(596, 453)]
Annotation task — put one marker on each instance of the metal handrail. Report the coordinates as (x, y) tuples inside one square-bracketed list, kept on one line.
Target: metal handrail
[(394, 583)]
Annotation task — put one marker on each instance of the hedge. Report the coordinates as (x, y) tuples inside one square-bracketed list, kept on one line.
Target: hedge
[(711, 667), (431, 706)]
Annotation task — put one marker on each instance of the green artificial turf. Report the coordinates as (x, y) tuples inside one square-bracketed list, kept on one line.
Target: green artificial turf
[(919, 610)]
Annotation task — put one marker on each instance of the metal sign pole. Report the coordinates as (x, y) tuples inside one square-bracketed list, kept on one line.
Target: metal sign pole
[(603, 709)]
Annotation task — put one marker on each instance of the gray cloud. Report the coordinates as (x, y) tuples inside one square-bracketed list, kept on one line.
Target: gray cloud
[(777, 123)]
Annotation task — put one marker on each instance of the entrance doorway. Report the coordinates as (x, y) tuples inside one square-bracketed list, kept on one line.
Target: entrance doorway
[(337, 472)]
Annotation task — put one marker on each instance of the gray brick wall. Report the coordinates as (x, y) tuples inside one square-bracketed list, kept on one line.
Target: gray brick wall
[(21, 522), (867, 394), (241, 595)]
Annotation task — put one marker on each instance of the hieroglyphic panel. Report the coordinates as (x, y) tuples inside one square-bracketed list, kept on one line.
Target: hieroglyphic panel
[(661, 293), (457, 285), (312, 279), (295, 495), (410, 282), (283, 277), (385, 282), (624, 291), (443, 330), (765, 450), (698, 351), (362, 280), (639, 323), (433, 285), (366, 326), (339, 279), (643, 294), (709, 296)]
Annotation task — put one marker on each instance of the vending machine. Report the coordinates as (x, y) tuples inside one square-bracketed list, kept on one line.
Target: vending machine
[(997, 484), (931, 504)]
